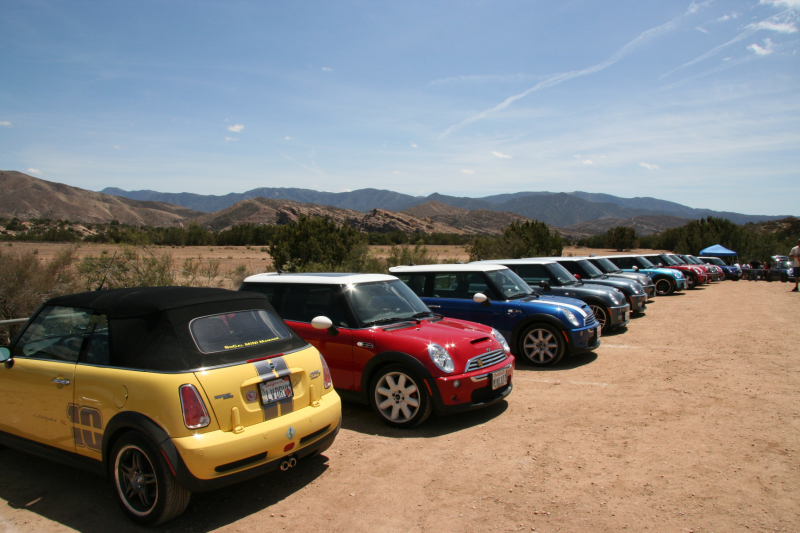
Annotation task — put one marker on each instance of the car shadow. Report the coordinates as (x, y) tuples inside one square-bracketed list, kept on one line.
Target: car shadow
[(84, 502), (568, 362), (613, 333), (361, 419)]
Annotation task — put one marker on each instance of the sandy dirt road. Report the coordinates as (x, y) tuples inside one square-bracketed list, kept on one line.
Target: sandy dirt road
[(689, 421)]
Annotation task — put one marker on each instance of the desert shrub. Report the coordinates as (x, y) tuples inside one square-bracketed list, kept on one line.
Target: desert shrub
[(621, 238), (595, 241), (199, 273), (127, 269), (519, 239), (295, 246), (25, 284)]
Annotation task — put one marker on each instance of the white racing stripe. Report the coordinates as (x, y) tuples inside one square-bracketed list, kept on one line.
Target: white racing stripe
[(570, 306)]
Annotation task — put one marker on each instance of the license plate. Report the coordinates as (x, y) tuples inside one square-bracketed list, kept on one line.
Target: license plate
[(499, 379), (276, 390)]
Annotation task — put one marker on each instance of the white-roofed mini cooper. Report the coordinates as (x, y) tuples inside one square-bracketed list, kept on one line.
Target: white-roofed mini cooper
[(387, 349)]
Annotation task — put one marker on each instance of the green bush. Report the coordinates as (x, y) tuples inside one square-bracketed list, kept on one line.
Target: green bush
[(519, 239), (312, 240), (621, 238)]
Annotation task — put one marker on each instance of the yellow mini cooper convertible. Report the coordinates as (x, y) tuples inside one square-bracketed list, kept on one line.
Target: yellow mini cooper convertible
[(166, 391)]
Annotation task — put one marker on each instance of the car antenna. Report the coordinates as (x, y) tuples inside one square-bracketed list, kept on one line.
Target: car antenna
[(105, 275), (280, 271)]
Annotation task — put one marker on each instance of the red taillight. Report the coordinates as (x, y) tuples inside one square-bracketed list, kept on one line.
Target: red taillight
[(326, 373), (194, 410)]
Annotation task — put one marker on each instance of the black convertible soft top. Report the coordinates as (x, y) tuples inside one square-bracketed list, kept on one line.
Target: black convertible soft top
[(148, 327)]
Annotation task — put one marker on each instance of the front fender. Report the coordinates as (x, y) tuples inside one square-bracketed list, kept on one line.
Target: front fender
[(530, 319), (387, 358)]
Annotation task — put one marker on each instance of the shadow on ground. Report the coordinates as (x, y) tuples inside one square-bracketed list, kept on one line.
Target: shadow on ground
[(362, 419), (85, 503)]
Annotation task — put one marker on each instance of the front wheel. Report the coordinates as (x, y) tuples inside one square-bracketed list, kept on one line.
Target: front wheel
[(664, 287), (144, 485), (691, 282), (542, 345), (601, 315), (399, 397)]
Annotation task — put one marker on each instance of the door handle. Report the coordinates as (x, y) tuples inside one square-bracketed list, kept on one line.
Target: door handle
[(514, 311), (434, 307), (60, 381)]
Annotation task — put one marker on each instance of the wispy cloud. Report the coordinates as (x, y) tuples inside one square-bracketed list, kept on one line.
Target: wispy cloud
[(5, 123), (701, 29), (398, 172), (780, 27), (289, 138), (414, 145), (588, 162), (467, 171), (33, 171), (229, 139), (501, 155), (480, 79), (649, 166), (327, 69), (117, 147), (236, 128), (788, 4), (761, 51), (551, 81)]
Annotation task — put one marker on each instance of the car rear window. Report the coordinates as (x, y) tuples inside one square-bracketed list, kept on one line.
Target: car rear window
[(233, 331)]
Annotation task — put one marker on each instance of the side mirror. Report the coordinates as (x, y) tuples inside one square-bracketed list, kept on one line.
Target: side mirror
[(545, 285), (5, 357), (635, 268), (323, 322), (577, 276), (480, 298)]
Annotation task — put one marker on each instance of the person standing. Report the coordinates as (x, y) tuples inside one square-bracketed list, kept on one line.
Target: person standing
[(795, 255)]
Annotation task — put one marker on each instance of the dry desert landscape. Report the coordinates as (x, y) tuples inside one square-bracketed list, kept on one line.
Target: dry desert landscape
[(688, 421)]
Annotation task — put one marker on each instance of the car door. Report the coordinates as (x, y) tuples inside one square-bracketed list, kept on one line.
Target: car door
[(37, 390), (452, 293), (300, 303), (533, 274)]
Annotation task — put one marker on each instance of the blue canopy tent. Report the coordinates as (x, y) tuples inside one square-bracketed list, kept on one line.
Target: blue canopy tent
[(718, 251)]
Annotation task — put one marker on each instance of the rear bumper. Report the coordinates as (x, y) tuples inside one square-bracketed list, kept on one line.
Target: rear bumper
[(216, 459)]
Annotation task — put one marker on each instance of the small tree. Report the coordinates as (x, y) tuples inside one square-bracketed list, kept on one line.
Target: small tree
[(520, 239), (312, 241), (621, 238)]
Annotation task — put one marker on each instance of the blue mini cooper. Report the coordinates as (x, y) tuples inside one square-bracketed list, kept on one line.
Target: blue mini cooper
[(666, 280), (539, 328)]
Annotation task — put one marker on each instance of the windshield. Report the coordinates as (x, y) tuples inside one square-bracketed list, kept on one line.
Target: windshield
[(605, 265), (509, 284), (665, 259), (679, 260), (384, 302), (714, 261), (590, 270), (561, 274), (645, 262)]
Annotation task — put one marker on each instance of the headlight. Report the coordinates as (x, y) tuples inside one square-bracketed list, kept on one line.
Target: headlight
[(501, 340), (571, 317), (441, 358)]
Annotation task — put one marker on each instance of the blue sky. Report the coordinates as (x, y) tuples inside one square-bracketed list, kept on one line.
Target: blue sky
[(698, 103)]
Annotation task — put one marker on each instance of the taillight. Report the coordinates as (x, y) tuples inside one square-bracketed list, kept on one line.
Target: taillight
[(194, 410), (326, 373)]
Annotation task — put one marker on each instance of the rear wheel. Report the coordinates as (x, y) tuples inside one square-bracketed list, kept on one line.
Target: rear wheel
[(143, 483), (399, 397), (664, 287), (542, 345)]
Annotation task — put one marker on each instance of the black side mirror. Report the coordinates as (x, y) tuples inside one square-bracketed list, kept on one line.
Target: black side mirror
[(545, 285)]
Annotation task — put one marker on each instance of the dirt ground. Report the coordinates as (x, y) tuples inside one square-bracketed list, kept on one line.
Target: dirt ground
[(688, 421)]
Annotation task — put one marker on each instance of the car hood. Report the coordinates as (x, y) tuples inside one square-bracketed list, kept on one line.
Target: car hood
[(544, 304)]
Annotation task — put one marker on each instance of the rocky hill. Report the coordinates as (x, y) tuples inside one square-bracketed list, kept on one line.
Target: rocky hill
[(643, 224), (26, 197), (475, 222)]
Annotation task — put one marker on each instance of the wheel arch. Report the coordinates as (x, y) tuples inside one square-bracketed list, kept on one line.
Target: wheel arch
[(132, 421), (390, 358), (533, 319)]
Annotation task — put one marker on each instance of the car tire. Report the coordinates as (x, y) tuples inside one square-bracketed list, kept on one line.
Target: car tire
[(664, 287), (399, 397), (542, 345), (691, 282), (601, 315), (144, 486)]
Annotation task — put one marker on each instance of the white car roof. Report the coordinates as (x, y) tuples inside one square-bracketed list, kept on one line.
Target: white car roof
[(319, 278), (468, 267), (525, 261)]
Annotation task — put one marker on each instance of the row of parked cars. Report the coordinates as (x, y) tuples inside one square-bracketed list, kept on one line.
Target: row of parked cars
[(172, 390)]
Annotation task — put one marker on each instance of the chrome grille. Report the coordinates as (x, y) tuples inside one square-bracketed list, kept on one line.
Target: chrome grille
[(590, 320), (485, 360)]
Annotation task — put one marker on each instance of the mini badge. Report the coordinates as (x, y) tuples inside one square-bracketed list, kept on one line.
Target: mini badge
[(226, 396), (251, 396), (290, 433)]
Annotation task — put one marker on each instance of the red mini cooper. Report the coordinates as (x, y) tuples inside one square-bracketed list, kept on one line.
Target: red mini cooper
[(384, 347)]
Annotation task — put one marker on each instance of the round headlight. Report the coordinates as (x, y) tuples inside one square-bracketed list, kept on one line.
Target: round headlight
[(441, 358), (501, 340), (571, 317)]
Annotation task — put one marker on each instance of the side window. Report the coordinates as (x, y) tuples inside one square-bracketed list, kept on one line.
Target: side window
[(302, 302), (415, 282), (97, 349), (57, 334), (623, 262), (271, 290), (532, 274), (450, 285), (572, 267)]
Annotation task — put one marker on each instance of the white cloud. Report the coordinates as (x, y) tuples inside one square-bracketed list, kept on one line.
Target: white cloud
[(33, 171), (289, 138), (398, 172), (762, 51), (236, 128), (701, 29), (467, 171), (501, 155), (649, 166), (117, 147), (414, 145), (780, 27), (789, 4), (229, 139), (327, 69), (5, 123), (588, 162)]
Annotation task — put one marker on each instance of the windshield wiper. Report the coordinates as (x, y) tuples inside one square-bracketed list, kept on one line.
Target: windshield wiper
[(386, 320)]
